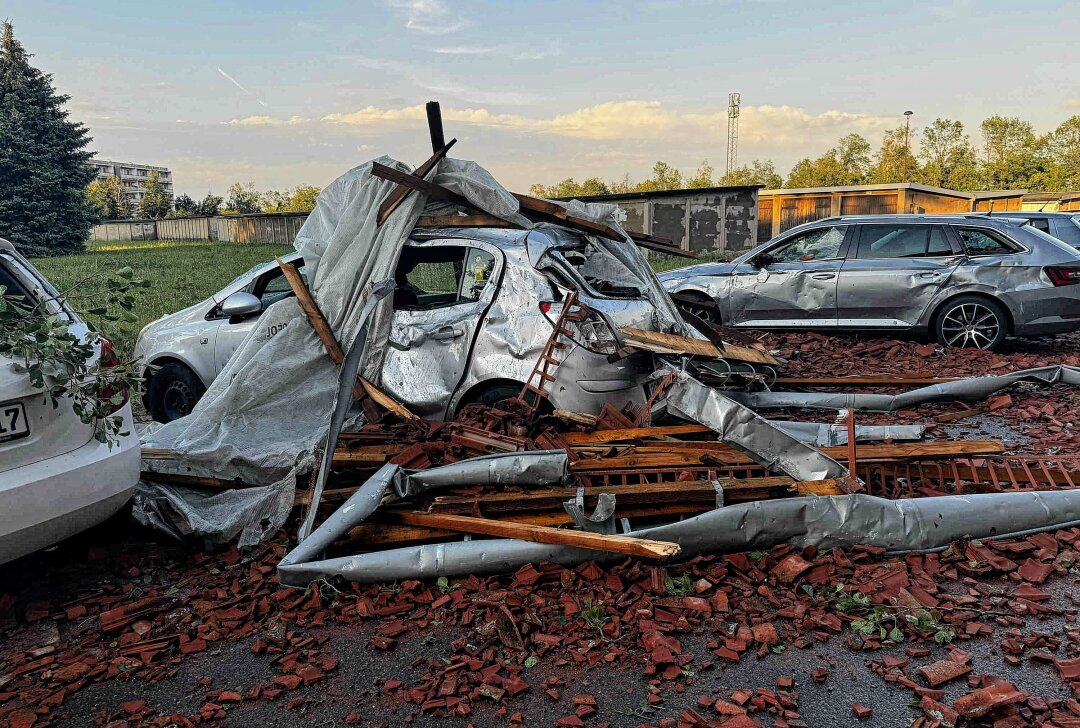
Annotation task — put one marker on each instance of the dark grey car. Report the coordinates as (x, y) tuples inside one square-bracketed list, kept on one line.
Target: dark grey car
[(967, 281)]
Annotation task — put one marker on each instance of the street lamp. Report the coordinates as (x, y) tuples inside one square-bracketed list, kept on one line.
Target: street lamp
[(907, 142)]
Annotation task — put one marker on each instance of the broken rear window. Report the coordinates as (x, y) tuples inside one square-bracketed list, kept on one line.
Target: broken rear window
[(602, 272)]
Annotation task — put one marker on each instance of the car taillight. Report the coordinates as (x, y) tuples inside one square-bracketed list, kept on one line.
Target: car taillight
[(1063, 275), (109, 360), (587, 327)]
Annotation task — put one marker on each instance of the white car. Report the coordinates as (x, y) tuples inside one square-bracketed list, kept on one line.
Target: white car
[(189, 348), (56, 479)]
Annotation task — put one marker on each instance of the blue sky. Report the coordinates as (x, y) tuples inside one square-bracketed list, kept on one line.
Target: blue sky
[(280, 94)]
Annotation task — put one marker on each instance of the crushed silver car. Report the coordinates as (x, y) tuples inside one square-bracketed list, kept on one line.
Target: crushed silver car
[(473, 310), (966, 282)]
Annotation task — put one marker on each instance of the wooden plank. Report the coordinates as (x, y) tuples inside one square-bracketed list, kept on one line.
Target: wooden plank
[(419, 184), (385, 401), (399, 193), (752, 354), (661, 343), (820, 487), (696, 491), (577, 418), (626, 545), (467, 221), (632, 433), (192, 481), (158, 453), (688, 454)]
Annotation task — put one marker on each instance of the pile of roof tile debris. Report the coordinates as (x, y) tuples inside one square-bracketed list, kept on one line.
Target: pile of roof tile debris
[(589, 510), (520, 648)]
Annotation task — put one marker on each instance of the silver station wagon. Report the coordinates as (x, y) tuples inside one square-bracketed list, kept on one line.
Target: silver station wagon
[(965, 281), (473, 310)]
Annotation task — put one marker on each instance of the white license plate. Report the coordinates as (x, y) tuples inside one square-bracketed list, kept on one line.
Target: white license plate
[(13, 424)]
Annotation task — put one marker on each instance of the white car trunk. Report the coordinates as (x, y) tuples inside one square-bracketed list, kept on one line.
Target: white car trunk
[(31, 429)]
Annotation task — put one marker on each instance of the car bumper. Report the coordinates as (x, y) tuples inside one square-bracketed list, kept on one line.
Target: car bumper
[(47, 501), (587, 381), (1047, 311)]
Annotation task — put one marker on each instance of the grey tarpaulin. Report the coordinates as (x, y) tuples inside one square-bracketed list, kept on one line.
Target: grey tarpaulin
[(237, 430), (838, 521), (826, 435), (736, 425), (972, 389)]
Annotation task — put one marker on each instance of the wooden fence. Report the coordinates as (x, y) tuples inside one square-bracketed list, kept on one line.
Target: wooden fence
[(279, 228)]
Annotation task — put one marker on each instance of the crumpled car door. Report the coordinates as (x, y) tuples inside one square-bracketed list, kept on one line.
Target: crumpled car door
[(893, 273), (793, 284), (429, 349)]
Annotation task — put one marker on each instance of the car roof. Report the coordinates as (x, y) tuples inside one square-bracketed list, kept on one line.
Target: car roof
[(494, 236), (922, 218)]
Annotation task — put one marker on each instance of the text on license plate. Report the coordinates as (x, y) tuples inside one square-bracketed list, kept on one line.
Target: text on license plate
[(13, 424)]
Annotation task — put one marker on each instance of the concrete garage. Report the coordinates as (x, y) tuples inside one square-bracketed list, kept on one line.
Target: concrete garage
[(711, 221)]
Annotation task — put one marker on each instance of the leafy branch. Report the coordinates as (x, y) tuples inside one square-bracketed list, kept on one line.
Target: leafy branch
[(68, 364)]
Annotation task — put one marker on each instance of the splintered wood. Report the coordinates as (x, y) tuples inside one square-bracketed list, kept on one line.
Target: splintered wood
[(661, 343)]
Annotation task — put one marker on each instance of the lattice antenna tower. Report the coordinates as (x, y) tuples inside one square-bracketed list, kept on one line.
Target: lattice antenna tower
[(734, 100)]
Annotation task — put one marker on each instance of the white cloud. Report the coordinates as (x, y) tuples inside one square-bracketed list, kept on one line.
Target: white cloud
[(268, 121), (465, 50), (422, 77), (648, 120), (1071, 104), (430, 17)]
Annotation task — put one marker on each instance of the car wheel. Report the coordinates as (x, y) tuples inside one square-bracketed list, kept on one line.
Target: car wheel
[(172, 392), (971, 322)]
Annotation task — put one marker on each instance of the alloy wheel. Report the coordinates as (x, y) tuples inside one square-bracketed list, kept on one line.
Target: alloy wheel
[(970, 325)]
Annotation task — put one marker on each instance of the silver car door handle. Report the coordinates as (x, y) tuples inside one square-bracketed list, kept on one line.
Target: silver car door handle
[(448, 332), (823, 276), (930, 274)]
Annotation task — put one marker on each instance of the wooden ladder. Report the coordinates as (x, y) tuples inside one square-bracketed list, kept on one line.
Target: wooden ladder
[(547, 362)]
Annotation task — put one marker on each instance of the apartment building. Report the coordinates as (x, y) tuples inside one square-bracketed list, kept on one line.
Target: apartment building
[(131, 177)]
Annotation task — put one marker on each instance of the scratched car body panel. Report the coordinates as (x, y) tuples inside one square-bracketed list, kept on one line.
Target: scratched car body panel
[(473, 310), (894, 272)]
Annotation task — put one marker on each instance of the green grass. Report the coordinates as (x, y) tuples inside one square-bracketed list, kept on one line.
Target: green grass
[(181, 273)]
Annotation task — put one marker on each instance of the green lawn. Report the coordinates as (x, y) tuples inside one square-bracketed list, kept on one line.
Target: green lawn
[(182, 273)]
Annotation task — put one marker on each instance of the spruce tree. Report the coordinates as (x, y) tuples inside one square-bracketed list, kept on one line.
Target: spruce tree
[(44, 165)]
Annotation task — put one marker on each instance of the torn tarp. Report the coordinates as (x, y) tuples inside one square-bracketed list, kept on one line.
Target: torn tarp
[(972, 389), (741, 427), (837, 521)]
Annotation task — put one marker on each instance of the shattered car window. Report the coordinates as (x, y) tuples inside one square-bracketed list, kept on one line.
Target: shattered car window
[(981, 242), (441, 275), (820, 244), (603, 272)]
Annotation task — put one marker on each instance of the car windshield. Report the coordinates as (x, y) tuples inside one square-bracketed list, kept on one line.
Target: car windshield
[(12, 288), (602, 271)]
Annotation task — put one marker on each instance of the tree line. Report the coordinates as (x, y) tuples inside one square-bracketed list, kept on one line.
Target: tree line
[(107, 197), (1009, 155)]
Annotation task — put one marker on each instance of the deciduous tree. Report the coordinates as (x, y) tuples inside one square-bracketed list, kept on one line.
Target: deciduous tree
[(108, 198), (948, 158), (156, 200)]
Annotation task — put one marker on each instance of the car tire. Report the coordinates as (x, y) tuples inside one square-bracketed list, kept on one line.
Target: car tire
[(972, 322), (172, 392)]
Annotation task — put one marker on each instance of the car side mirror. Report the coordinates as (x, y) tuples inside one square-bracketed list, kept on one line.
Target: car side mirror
[(240, 305)]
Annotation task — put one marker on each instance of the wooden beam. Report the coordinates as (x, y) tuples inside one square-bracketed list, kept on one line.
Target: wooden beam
[(435, 127), (419, 184), (399, 193), (660, 246), (671, 455), (482, 221), (626, 545), (631, 433), (668, 343), (192, 481), (362, 388)]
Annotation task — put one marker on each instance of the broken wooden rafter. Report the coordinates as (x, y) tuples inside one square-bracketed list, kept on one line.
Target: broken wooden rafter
[(362, 390), (399, 193), (435, 127), (626, 545), (661, 343), (469, 221)]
